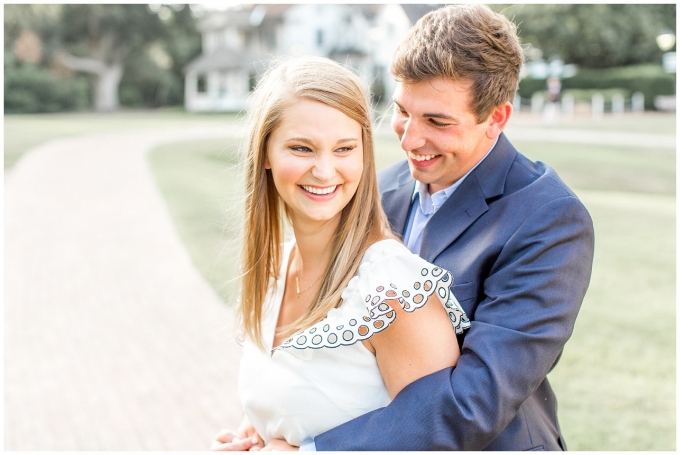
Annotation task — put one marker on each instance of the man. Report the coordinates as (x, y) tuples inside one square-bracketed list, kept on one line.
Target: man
[(517, 240)]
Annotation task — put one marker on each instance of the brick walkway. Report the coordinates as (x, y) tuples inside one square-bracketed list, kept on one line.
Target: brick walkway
[(113, 341)]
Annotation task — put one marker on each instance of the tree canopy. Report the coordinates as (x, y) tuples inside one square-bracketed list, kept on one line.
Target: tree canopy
[(593, 35)]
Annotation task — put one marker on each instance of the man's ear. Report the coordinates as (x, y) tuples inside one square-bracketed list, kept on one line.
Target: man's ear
[(498, 119)]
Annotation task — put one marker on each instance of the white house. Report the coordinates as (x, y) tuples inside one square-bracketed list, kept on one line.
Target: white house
[(238, 43)]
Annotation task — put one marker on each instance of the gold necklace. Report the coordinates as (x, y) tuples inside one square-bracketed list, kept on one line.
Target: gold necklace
[(297, 285)]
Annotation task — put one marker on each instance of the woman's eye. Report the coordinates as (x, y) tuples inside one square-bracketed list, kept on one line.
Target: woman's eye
[(345, 149), (300, 148)]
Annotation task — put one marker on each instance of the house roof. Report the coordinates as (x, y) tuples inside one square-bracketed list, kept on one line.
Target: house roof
[(241, 17), (221, 58), (416, 11)]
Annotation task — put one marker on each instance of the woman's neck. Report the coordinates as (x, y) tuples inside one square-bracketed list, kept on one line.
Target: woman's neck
[(313, 244)]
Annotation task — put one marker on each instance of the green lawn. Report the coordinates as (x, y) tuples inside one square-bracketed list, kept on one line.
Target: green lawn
[(616, 379), (25, 131)]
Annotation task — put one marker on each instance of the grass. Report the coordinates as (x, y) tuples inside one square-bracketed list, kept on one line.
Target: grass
[(23, 132), (200, 183), (616, 379)]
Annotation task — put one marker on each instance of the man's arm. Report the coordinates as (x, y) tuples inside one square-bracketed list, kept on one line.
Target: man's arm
[(532, 296)]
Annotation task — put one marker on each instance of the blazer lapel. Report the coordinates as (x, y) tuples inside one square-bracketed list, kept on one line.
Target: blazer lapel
[(468, 202), (397, 201), (460, 210)]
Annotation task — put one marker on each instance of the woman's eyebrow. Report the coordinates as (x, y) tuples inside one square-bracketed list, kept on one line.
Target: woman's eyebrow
[(301, 139), (311, 142)]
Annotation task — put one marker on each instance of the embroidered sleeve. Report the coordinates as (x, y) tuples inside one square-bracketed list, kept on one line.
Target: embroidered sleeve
[(405, 278)]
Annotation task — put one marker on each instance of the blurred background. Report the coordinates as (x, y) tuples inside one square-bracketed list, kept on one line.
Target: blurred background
[(122, 130)]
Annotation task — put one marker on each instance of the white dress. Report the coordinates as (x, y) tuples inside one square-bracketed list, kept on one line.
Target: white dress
[(324, 376)]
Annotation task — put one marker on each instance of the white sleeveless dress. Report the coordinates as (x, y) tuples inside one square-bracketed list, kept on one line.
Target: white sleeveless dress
[(324, 376)]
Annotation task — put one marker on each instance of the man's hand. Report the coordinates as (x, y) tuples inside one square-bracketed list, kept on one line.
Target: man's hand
[(238, 441), (279, 444)]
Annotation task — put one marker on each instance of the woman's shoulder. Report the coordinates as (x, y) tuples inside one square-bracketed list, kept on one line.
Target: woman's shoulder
[(384, 249)]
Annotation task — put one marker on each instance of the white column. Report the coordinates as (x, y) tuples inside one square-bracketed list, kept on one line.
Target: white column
[(618, 105), (638, 102), (597, 105)]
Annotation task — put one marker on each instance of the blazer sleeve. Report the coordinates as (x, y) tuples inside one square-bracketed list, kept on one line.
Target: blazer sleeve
[(531, 298)]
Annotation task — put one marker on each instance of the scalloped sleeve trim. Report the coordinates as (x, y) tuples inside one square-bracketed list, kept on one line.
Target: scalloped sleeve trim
[(404, 277)]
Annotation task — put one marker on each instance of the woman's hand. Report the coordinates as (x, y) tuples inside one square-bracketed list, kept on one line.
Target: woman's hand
[(245, 438), (279, 444)]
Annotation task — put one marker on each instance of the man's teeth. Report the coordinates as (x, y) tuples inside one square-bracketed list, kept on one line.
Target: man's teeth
[(315, 190), (421, 157)]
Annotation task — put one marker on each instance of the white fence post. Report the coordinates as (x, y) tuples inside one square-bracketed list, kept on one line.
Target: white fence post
[(517, 104), (537, 103), (597, 105), (617, 104), (638, 102), (568, 104)]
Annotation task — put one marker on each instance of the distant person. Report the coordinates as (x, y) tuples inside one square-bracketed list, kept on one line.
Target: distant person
[(551, 111), (554, 86), (341, 318)]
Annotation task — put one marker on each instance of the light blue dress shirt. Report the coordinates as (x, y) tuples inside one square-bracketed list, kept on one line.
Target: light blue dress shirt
[(420, 213)]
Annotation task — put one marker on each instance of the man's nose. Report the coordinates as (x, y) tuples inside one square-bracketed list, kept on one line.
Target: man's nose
[(412, 137)]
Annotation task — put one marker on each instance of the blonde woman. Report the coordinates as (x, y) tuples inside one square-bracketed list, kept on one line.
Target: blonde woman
[(340, 319)]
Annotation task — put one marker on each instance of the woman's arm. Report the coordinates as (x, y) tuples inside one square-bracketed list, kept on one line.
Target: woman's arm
[(414, 345)]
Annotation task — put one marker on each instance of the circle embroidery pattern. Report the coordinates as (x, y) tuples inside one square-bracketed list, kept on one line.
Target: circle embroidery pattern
[(381, 315)]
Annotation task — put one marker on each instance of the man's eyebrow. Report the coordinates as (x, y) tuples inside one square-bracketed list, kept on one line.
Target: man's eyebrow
[(429, 114)]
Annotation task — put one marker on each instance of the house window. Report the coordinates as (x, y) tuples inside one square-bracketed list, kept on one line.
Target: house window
[(202, 83), (319, 37)]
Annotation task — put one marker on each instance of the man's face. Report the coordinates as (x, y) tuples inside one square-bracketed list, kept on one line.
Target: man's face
[(439, 131)]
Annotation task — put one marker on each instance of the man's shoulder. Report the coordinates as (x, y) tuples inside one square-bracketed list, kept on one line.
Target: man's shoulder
[(393, 175)]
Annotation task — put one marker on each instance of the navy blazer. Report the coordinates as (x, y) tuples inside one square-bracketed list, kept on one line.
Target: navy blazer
[(519, 244)]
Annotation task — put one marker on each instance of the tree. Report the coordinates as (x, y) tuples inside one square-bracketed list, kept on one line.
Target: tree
[(98, 38), (595, 35)]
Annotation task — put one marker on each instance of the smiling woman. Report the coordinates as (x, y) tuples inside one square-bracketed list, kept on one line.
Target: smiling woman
[(328, 320)]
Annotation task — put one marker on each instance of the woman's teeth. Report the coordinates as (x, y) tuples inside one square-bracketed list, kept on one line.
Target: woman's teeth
[(421, 157), (315, 190)]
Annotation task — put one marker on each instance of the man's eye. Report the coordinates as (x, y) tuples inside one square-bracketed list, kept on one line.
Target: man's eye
[(439, 124)]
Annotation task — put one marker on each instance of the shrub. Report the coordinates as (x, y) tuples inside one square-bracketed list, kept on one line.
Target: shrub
[(651, 80), (30, 89)]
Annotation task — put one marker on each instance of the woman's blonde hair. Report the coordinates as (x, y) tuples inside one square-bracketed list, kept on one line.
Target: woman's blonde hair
[(362, 221)]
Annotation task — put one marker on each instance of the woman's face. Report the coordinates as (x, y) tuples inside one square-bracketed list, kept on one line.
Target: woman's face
[(316, 158)]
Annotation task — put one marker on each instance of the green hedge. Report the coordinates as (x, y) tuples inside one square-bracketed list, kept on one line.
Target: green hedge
[(651, 80), (29, 89)]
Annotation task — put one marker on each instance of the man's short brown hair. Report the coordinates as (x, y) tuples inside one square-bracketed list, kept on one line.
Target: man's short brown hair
[(464, 42)]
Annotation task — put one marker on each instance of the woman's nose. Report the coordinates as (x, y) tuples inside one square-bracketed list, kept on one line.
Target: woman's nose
[(324, 168)]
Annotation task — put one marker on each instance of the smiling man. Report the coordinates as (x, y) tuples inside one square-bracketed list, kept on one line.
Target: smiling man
[(517, 240)]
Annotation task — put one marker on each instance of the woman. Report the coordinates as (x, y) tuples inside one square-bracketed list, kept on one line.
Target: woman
[(329, 318)]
